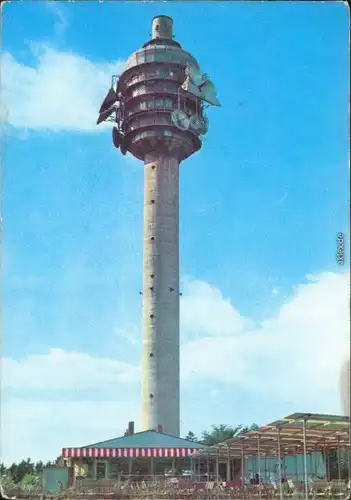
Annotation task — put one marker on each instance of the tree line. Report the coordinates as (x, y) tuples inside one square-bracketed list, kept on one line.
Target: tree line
[(25, 470), (219, 433)]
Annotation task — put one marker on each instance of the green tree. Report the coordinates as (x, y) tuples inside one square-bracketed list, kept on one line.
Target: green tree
[(38, 468), (222, 432), (251, 427), (13, 472), (25, 476), (191, 437), (219, 433), (18, 471)]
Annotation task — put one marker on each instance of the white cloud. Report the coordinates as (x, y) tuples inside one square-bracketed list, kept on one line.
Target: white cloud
[(63, 91), (294, 357), (61, 23), (204, 311), (3, 112), (214, 393), (41, 423), (40, 429), (130, 334), (65, 370)]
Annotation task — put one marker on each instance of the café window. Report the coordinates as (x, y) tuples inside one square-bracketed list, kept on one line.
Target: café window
[(101, 470)]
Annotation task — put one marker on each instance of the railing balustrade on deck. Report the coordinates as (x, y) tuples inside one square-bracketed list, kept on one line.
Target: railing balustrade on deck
[(157, 487)]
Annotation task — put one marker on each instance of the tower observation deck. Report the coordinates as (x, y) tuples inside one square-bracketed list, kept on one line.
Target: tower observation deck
[(157, 106)]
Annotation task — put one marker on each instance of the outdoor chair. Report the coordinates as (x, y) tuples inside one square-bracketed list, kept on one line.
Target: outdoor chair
[(209, 485), (235, 492), (320, 489), (289, 489), (268, 491), (337, 488), (252, 491)]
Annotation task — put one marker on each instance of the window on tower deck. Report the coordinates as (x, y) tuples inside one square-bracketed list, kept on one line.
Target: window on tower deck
[(139, 91), (162, 72), (158, 103), (163, 103), (131, 79)]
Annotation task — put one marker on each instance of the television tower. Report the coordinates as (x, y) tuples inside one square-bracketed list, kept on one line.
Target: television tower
[(158, 106)]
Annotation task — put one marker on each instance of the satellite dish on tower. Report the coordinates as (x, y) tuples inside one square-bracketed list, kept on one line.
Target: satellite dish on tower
[(198, 125), (123, 147), (199, 85), (105, 114), (180, 119), (108, 106), (116, 137), (110, 99)]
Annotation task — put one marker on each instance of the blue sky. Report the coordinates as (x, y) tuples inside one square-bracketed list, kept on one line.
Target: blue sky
[(261, 205)]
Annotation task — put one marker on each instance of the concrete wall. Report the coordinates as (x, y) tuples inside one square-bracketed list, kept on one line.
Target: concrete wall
[(160, 359), (55, 479)]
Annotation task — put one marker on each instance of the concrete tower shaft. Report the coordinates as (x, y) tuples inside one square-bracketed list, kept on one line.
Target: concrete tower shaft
[(160, 361)]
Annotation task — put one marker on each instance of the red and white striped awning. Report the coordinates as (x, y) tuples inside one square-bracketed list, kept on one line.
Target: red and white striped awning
[(127, 452)]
